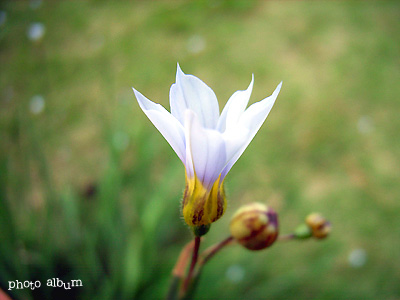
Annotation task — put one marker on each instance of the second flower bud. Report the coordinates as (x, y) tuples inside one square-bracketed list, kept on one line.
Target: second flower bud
[(255, 226)]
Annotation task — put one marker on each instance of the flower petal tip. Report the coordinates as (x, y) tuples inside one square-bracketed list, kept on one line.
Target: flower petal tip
[(277, 90), (251, 82), (138, 95), (179, 71)]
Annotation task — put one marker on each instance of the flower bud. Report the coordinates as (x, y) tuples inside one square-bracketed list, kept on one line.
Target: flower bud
[(320, 227), (255, 226)]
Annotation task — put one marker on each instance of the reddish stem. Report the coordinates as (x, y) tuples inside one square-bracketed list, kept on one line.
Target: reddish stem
[(210, 252), (286, 237), (195, 256), (180, 266)]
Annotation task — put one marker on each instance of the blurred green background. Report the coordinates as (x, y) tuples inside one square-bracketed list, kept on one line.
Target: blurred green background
[(90, 190)]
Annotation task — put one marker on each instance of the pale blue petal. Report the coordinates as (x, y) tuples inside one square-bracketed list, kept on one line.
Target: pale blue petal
[(189, 92), (235, 138), (252, 119), (168, 126), (234, 108), (207, 149)]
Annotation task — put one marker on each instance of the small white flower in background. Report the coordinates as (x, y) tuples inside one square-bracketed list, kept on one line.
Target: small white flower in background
[(36, 31), (3, 17), (35, 4), (207, 142), (365, 125), (36, 105), (357, 258), (235, 273), (196, 44)]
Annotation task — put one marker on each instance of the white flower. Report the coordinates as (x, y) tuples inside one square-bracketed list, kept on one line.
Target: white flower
[(36, 31), (37, 104), (207, 142)]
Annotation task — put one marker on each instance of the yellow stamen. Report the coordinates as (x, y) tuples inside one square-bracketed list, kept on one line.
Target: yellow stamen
[(201, 206)]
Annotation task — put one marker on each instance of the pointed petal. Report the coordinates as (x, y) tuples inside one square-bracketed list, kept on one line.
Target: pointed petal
[(252, 119), (235, 138), (168, 126), (206, 148), (234, 108), (189, 92)]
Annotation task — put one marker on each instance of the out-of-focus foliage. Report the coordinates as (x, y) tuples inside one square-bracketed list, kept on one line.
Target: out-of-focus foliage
[(90, 190)]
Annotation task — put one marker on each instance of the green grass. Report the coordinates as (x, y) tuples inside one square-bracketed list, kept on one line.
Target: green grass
[(89, 189)]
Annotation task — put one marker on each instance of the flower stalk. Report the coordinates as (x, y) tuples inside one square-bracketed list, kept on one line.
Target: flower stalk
[(193, 263), (286, 237), (182, 287), (197, 264), (179, 271), (210, 252)]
